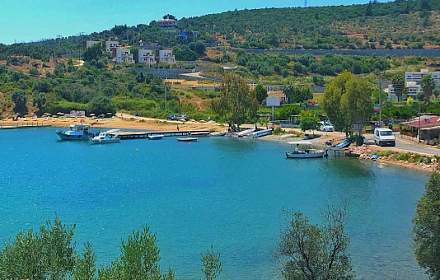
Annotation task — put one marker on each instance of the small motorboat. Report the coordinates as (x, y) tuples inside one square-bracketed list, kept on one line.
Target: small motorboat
[(342, 145), (187, 139), (304, 149), (350, 153), (155, 136), (200, 133), (260, 133), (106, 137)]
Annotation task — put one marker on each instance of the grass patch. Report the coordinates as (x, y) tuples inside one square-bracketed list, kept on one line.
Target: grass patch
[(404, 157), (385, 153)]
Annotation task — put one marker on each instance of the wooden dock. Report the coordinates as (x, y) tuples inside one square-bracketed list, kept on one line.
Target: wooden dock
[(128, 135), (29, 124)]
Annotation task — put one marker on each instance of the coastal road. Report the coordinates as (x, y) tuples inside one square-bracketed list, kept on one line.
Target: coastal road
[(411, 146)]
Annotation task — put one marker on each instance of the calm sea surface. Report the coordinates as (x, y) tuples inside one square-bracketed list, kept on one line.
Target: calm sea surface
[(227, 192)]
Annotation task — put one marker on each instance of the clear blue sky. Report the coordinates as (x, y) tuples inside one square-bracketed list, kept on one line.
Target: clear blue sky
[(32, 20)]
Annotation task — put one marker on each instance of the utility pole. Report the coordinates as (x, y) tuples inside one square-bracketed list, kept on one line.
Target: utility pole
[(59, 43)]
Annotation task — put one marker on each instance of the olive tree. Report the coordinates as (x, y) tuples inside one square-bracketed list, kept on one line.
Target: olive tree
[(313, 252), (212, 264), (426, 228)]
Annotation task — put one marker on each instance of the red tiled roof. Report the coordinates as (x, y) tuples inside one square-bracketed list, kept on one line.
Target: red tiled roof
[(167, 20), (425, 121)]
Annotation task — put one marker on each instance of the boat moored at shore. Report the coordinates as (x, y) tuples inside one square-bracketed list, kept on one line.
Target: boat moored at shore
[(106, 137), (304, 149), (76, 132)]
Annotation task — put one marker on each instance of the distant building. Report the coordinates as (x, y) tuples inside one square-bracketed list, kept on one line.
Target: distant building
[(122, 55), (146, 56), (88, 44), (167, 23), (166, 56), (111, 45), (418, 76), (412, 90)]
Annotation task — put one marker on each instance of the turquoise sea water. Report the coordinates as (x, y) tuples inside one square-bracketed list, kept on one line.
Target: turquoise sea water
[(227, 192)]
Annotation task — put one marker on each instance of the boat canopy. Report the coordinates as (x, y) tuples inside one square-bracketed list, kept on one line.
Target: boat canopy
[(112, 131), (300, 143)]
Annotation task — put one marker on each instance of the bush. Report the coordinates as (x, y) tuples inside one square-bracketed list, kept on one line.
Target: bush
[(385, 153), (404, 157)]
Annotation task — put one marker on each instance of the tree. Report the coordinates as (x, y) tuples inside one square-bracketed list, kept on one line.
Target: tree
[(426, 228), (40, 101), (212, 264), (139, 259), (92, 53), (102, 105), (398, 82), (260, 93), (85, 267), (289, 91), (20, 99), (348, 101), (311, 252), (236, 101), (309, 121), (168, 16), (428, 86)]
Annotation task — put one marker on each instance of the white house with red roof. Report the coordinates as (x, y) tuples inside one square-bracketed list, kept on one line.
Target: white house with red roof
[(167, 23), (427, 126)]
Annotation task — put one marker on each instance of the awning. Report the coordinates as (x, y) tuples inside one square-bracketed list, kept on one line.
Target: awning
[(431, 128)]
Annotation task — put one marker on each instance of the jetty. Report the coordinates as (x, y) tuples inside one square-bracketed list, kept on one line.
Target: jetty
[(27, 124), (128, 135)]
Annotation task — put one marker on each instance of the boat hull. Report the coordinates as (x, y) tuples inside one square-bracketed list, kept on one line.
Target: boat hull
[(155, 137), (74, 137), (188, 139), (104, 141), (305, 155)]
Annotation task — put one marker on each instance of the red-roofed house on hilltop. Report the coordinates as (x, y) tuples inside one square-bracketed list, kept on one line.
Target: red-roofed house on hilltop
[(167, 22)]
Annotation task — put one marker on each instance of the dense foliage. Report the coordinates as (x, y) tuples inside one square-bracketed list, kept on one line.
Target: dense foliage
[(426, 228)]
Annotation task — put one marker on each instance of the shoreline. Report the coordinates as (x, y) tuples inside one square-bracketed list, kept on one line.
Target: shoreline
[(141, 123)]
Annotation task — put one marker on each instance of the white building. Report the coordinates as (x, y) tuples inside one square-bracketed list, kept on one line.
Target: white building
[(111, 45), (166, 56), (123, 55), (418, 76), (412, 90), (146, 56)]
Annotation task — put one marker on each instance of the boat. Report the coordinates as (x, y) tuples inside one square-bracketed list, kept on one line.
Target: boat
[(342, 145), (76, 132), (245, 132), (260, 133), (200, 133), (106, 137), (350, 153), (219, 133), (155, 136), (304, 149), (187, 139)]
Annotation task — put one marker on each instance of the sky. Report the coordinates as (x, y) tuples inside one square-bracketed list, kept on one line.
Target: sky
[(34, 20)]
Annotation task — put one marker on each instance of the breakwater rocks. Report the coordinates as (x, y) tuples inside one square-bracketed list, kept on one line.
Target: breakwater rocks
[(406, 159)]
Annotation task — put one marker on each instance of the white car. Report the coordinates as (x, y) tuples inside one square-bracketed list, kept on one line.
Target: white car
[(326, 126)]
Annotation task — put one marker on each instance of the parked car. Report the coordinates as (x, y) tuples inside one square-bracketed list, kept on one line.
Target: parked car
[(384, 136), (185, 117), (326, 126), (171, 117)]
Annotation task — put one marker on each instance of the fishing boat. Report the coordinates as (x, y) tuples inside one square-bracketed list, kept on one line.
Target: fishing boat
[(155, 136), (76, 132), (260, 133), (219, 133), (304, 149), (106, 137), (187, 139)]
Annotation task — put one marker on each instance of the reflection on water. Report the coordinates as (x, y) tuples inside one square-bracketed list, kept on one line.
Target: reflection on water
[(224, 191)]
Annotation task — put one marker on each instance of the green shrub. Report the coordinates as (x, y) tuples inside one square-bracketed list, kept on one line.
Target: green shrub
[(404, 156), (385, 153), (278, 130)]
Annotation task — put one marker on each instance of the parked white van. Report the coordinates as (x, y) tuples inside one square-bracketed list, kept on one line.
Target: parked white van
[(384, 136)]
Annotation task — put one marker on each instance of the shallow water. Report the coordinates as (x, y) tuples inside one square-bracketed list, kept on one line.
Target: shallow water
[(227, 192)]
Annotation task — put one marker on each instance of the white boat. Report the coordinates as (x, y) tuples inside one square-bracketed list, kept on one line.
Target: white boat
[(201, 133), (245, 132), (76, 132), (187, 139), (220, 133), (106, 137), (260, 133), (155, 136), (304, 149)]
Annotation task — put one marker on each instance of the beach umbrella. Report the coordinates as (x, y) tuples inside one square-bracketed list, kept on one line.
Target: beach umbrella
[(92, 115), (60, 113), (202, 121), (192, 120), (182, 120)]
